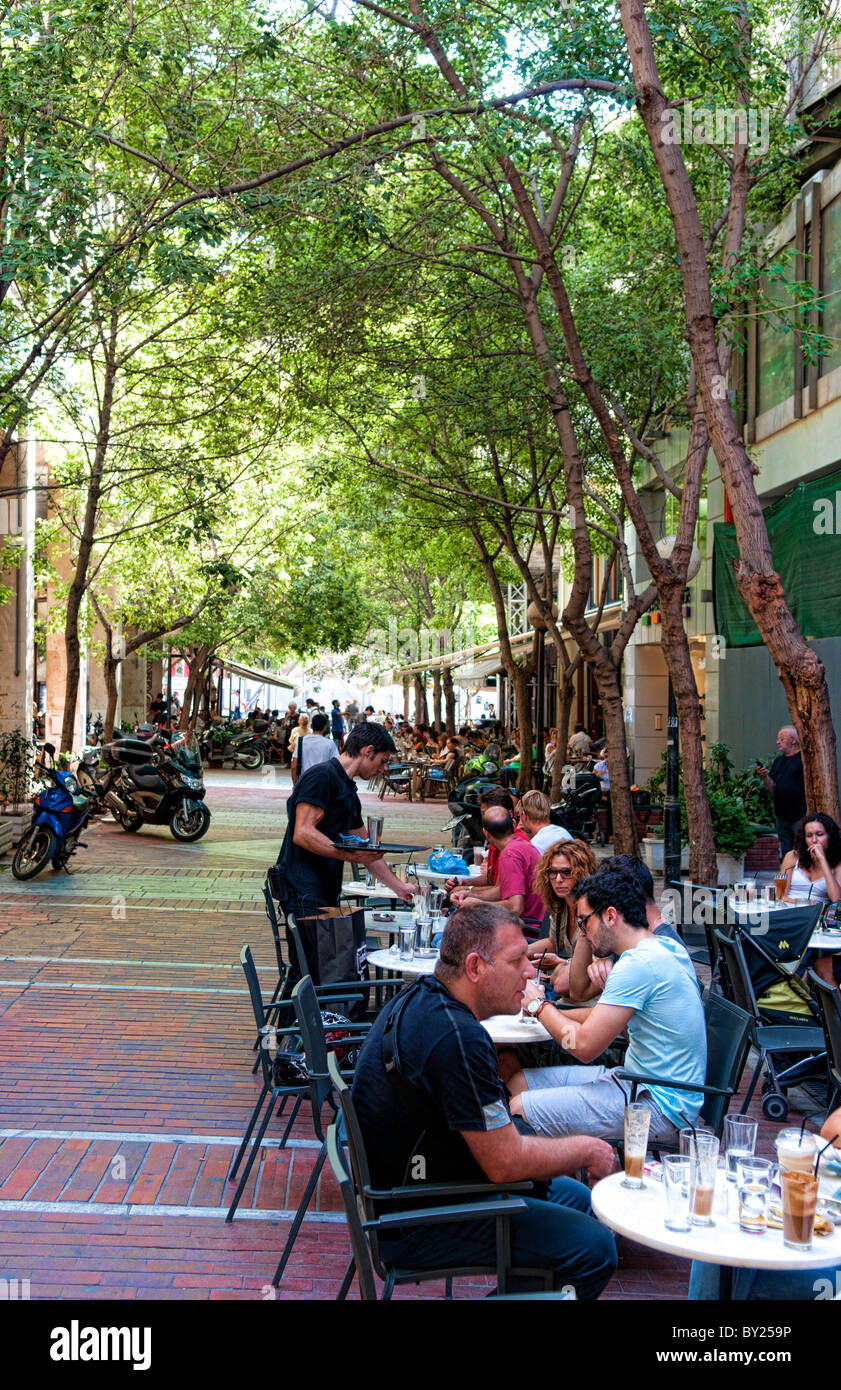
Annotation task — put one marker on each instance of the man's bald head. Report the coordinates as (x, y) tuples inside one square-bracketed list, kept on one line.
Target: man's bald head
[(498, 823)]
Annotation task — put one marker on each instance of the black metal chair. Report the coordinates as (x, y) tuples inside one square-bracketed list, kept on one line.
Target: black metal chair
[(396, 778), (363, 1234), (371, 1200), (320, 1088), (728, 1030), (829, 1007), (772, 1040), (268, 1032)]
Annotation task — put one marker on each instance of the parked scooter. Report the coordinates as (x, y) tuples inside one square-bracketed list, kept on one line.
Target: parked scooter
[(245, 749), (578, 811), (59, 815), (148, 785)]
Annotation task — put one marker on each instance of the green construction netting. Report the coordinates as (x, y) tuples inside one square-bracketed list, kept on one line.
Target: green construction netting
[(804, 528)]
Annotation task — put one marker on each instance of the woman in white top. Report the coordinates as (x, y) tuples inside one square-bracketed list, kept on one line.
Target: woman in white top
[(303, 728), (813, 871)]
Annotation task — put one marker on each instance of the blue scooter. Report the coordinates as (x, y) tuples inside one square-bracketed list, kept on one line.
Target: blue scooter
[(59, 816)]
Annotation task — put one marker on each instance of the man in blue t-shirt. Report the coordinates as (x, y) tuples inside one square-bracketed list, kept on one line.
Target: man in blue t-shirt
[(650, 993)]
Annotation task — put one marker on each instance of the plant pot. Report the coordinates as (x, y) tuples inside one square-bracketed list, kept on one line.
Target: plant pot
[(653, 852), (730, 870), (12, 823)]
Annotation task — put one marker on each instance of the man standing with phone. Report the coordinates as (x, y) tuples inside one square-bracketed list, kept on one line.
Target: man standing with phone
[(786, 785)]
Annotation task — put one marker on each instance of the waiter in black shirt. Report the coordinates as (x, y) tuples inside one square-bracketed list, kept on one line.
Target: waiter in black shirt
[(323, 806), (785, 782)]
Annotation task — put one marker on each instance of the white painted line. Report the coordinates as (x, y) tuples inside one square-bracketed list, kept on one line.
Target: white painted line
[(157, 907), (153, 1137), (329, 1218), (132, 989), (101, 960)]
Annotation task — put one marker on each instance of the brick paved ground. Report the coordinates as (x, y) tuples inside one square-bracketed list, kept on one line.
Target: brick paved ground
[(125, 1073)]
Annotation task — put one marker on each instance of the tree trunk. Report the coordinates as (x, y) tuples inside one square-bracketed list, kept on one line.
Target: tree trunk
[(702, 860), (79, 582), (436, 699), (196, 665), (111, 665), (449, 698), (519, 678), (801, 672), (566, 695), (406, 701), (421, 711)]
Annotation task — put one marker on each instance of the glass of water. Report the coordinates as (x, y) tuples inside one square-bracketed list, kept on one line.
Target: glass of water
[(407, 942), (676, 1183), (754, 1188), (739, 1140)]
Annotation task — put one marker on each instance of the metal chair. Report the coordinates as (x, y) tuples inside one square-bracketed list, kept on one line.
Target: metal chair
[(335, 995), (728, 1030), (320, 1086), (362, 1233), (770, 1039), (370, 1200), (829, 1007)]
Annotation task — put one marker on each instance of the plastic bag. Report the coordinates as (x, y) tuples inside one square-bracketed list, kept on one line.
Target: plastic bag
[(445, 862)]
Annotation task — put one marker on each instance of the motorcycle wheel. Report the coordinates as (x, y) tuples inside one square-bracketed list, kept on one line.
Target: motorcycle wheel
[(251, 761), (129, 821), (36, 847), (196, 825)]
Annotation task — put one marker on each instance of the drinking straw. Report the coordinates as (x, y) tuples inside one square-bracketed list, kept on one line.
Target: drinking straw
[(802, 1128), (821, 1154)]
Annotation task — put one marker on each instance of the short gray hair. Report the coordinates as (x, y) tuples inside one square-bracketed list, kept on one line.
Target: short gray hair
[(470, 931)]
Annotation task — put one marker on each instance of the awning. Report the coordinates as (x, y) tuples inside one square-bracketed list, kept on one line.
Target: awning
[(475, 674), (259, 677), (469, 655)]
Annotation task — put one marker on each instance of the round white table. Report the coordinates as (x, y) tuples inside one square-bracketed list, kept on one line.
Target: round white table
[(432, 875), (369, 890), (825, 941), (503, 1028), (640, 1215)]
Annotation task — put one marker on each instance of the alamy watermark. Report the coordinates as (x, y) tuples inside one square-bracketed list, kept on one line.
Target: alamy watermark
[(404, 646), (717, 125)]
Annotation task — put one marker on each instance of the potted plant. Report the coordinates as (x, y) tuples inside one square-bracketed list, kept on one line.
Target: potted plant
[(733, 829), (17, 757)]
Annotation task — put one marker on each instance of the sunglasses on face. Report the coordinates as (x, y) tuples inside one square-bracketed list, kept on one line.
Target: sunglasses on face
[(561, 873)]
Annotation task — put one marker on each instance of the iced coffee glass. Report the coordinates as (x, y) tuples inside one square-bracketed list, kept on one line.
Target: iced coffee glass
[(703, 1158), (800, 1198), (637, 1120), (795, 1151)]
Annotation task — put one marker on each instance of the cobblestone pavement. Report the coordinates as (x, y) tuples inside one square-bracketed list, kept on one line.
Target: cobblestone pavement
[(125, 1072)]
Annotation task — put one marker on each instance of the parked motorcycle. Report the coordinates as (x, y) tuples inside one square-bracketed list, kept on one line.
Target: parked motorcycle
[(59, 815), (245, 749), (578, 811), (148, 785)]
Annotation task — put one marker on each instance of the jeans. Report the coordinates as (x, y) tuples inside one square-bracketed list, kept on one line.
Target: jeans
[(785, 835), (558, 1234), (759, 1285)]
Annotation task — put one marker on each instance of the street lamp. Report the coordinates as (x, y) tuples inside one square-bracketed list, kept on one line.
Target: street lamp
[(671, 801)]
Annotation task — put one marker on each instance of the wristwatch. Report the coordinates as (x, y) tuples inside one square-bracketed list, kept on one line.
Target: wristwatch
[(534, 1006)]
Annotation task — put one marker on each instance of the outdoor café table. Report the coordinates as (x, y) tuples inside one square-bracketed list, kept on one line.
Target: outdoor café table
[(432, 875), (640, 1215), (368, 890), (825, 941), (503, 1028)]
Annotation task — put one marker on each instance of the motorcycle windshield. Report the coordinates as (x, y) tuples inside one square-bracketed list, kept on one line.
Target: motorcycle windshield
[(185, 752)]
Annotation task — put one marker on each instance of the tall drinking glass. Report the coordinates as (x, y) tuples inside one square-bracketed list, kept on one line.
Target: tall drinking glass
[(800, 1199), (676, 1183), (637, 1121), (703, 1158), (739, 1141)]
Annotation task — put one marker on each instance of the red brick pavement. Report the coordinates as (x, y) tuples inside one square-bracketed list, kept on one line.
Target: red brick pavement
[(142, 1084)]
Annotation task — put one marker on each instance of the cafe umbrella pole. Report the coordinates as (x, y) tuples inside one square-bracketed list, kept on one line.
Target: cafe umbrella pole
[(671, 801)]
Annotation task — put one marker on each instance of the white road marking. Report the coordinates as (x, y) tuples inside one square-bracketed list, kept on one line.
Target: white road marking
[(330, 1218), (230, 1141)]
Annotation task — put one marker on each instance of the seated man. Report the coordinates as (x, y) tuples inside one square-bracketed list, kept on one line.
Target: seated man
[(440, 1115), (536, 820), (514, 886), (649, 992), (587, 975)]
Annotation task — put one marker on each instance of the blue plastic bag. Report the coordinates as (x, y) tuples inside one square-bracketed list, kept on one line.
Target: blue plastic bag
[(445, 862)]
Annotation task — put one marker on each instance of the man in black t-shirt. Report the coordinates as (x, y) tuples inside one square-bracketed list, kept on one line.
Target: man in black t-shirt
[(323, 806), (444, 1116), (787, 786)]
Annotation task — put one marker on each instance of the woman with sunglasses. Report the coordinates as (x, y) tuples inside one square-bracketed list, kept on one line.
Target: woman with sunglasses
[(555, 879)]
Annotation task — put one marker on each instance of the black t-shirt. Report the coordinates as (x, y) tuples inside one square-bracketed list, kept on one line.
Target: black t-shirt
[(328, 787), (447, 1055), (789, 790)]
